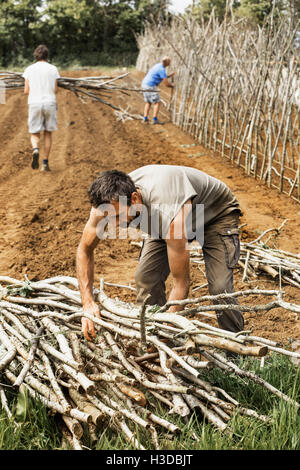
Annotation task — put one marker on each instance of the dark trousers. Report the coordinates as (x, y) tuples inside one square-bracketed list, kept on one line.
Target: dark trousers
[(221, 251)]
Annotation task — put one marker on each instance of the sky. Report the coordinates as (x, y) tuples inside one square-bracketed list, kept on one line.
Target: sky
[(178, 6)]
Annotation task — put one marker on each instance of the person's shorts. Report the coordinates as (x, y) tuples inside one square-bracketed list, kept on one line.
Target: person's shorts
[(42, 117), (151, 96)]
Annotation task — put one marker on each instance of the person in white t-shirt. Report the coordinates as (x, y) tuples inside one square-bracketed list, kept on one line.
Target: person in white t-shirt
[(41, 88)]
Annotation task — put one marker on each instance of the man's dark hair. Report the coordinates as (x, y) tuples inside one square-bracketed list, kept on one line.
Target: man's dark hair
[(41, 52), (109, 186)]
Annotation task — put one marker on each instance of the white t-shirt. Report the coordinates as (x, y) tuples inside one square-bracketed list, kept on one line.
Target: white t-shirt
[(166, 188), (41, 77)]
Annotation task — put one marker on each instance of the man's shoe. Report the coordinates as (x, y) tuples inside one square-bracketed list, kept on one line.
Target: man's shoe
[(45, 167), (145, 121), (156, 121), (35, 159)]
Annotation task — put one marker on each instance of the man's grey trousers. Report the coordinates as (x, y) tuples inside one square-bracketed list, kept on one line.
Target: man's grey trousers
[(221, 250)]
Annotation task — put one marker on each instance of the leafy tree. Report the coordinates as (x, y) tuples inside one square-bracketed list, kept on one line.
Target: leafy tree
[(69, 25), (258, 10), (19, 27), (124, 18)]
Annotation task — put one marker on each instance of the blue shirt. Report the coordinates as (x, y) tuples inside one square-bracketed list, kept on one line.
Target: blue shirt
[(155, 75)]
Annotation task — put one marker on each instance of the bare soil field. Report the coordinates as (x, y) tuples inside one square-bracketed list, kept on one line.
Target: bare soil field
[(43, 214)]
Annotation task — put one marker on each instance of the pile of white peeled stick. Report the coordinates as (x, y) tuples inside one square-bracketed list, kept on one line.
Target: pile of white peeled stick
[(140, 356)]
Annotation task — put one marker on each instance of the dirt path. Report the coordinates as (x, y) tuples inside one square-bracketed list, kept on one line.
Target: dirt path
[(43, 215)]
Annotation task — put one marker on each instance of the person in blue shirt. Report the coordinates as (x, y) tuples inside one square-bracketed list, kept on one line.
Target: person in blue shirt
[(153, 78)]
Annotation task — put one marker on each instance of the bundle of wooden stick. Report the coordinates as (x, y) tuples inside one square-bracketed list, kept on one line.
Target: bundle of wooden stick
[(97, 88), (258, 257), (139, 355)]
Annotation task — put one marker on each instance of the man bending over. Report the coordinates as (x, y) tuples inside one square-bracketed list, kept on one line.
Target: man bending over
[(174, 205)]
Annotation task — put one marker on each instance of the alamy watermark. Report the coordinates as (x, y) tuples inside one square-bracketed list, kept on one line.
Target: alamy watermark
[(2, 92), (118, 220)]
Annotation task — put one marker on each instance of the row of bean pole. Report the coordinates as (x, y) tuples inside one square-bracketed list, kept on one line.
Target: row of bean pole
[(237, 90), (141, 356)]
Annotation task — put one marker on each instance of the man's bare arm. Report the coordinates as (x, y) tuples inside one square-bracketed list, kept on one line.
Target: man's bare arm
[(26, 87), (179, 259), (85, 271), (167, 83)]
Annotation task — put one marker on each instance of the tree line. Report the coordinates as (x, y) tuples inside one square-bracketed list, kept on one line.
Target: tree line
[(92, 32), (88, 31)]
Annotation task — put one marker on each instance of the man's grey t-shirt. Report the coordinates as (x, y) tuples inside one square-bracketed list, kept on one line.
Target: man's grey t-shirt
[(166, 188)]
